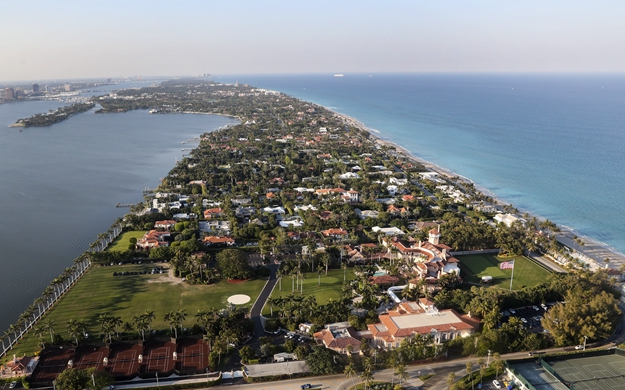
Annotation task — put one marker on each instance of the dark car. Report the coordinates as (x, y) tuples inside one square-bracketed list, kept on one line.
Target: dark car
[(306, 386)]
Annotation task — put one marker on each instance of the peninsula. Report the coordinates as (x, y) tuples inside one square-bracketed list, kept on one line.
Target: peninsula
[(366, 257), (54, 116)]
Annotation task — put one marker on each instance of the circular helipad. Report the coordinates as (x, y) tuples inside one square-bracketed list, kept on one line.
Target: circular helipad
[(238, 299)]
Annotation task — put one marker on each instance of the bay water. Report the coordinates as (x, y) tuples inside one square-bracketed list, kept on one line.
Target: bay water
[(59, 186)]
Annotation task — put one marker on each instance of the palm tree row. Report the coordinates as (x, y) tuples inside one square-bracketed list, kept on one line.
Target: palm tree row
[(41, 305), (55, 290)]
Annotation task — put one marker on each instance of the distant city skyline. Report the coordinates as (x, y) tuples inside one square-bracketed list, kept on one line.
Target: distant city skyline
[(69, 39)]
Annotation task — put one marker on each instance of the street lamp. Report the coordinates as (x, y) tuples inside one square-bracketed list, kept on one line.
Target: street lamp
[(585, 342), (488, 358)]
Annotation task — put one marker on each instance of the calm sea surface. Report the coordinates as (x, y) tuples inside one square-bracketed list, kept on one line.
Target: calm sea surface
[(59, 186), (551, 145)]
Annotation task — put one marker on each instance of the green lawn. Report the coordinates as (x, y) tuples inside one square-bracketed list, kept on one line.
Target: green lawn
[(121, 243), (330, 287), (526, 272), (99, 292)]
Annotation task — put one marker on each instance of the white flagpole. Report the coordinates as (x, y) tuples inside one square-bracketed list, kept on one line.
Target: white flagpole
[(512, 276)]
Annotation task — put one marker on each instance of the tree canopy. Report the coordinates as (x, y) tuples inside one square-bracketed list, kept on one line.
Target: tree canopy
[(233, 264)]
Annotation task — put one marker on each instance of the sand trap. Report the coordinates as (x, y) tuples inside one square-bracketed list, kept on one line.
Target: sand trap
[(238, 299)]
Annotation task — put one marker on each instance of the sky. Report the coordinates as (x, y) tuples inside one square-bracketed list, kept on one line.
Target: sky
[(42, 39)]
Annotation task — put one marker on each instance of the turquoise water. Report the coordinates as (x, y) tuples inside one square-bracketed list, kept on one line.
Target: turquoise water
[(551, 145)]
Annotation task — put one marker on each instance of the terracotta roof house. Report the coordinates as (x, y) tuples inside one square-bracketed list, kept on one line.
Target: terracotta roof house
[(217, 240), (336, 233), (384, 280), (166, 225), (216, 212), (421, 318), (431, 259), (153, 239), (338, 336)]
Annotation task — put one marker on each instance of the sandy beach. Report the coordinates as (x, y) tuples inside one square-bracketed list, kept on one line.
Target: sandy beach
[(593, 252)]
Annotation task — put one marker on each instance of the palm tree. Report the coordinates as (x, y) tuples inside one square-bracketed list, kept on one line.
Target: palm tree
[(107, 330), (497, 363), (451, 378), (480, 363), (344, 267), (127, 327), (279, 275), (48, 325), (170, 318), (116, 322), (39, 331), (401, 372), (302, 276), (72, 329), (367, 377), (469, 371), (149, 317), (181, 316), (270, 301), (350, 371), (140, 324)]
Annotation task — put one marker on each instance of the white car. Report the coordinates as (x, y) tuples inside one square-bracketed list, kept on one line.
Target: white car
[(578, 347), (497, 384)]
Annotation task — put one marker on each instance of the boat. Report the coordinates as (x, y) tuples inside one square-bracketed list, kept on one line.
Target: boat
[(152, 111), (338, 75)]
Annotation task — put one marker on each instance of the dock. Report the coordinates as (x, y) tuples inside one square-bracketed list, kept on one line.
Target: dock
[(124, 205)]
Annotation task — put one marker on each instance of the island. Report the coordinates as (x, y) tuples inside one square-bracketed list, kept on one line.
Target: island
[(295, 239)]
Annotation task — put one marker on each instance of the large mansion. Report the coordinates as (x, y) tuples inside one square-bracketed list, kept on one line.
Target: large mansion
[(421, 318)]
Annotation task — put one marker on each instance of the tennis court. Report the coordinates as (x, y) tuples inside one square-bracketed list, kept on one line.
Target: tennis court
[(88, 357), (192, 355), (598, 372), (124, 360), (159, 357), (51, 364)]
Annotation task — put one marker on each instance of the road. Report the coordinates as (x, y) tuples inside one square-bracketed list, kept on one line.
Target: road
[(257, 308)]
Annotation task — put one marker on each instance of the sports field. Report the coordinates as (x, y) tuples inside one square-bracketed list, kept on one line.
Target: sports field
[(597, 372), (526, 272), (99, 292)]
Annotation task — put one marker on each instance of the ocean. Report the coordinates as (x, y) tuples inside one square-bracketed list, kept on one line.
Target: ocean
[(60, 185), (551, 145)]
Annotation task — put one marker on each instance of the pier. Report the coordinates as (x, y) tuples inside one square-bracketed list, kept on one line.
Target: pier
[(124, 205)]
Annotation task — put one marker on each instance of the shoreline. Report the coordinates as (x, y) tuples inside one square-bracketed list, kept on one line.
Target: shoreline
[(592, 248)]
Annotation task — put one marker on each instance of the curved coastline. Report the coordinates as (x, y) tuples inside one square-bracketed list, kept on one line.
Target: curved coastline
[(590, 243)]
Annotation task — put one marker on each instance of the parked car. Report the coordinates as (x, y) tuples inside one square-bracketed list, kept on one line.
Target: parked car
[(496, 384), (544, 306), (306, 386), (13, 385), (578, 347)]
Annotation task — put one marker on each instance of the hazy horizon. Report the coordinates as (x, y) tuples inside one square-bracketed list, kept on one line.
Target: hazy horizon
[(78, 40)]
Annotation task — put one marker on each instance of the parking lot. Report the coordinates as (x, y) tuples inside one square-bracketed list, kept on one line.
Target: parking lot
[(529, 315)]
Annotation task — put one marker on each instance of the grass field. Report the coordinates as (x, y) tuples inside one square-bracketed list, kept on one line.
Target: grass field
[(121, 243), (330, 287), (526, 272), (99, 292)]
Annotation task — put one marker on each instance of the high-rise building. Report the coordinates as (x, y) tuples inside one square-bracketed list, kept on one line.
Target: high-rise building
[(35, 88), (68, 87), (9, 93)]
